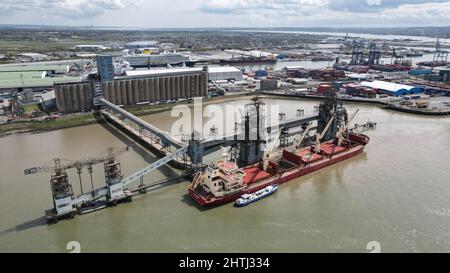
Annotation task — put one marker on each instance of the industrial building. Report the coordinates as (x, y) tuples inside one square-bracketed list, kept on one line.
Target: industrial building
[(141, 44), (156, 87), (444, 74), (34, 57), (215, 73), (136, 88), (393, 89), (49, 68), (105, 67), (268, 84), (142, 86), (91, 47), (74, 97), (224, 73), (37, 80)]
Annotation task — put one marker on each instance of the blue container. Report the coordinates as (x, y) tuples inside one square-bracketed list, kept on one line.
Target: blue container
[(261, 73), (417, 72)]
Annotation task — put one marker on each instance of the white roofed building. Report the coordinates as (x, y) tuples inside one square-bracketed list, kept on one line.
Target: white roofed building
[(221, 73), (91, 47), (215, 73), (393, 89), (141, 44)]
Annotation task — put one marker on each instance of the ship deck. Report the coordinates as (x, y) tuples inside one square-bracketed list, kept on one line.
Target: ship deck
[(292, 164), (254, 174), (330, 148)]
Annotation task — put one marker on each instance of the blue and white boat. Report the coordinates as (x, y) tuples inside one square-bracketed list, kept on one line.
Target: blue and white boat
[(247, 199)]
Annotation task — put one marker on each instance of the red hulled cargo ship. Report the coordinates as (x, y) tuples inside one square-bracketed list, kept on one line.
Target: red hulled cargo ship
[(223, 182)]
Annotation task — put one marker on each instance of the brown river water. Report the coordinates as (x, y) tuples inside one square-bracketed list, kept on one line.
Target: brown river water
[(397, 193)]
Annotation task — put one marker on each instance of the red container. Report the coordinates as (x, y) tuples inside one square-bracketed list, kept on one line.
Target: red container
[(322, 89)]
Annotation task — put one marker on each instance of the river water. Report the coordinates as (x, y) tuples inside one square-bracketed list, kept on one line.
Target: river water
[(324, 64), (385, 37), (397, 194)]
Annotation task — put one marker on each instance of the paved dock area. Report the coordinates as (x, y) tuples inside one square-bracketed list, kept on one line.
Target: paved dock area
[(441, 103)]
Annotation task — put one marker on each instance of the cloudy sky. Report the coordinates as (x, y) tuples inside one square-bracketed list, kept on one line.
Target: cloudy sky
[(226, 13)]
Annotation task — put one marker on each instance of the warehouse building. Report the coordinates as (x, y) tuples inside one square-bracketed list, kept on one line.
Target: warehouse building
[(34, 57), (393, 89), (215, 73), (141, 44), (49, 68), (91, 47), (268, 84), (36, 80), (224, 73), (163, 72)]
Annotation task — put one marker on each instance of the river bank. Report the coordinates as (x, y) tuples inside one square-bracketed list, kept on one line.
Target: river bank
[(83, 119)]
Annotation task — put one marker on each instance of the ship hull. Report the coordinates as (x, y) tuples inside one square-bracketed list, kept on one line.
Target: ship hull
[(281, 178)]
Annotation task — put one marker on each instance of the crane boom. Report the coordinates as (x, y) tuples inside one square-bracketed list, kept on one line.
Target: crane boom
[(298, 142), (320, 136), (58, 167), (269, 150)]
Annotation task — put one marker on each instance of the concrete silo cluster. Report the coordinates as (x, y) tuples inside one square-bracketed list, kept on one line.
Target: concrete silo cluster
[(132, 90)]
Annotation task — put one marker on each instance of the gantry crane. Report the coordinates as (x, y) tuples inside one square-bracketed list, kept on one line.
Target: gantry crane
[(62, 192)]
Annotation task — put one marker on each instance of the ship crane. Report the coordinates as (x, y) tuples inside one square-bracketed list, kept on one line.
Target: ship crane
[(299, 141), (341, 131), (274, 145), (269, 149), (320, 136)]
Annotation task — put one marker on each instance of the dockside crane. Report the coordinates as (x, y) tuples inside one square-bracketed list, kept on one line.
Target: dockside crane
[(62, 192), (108, 155)]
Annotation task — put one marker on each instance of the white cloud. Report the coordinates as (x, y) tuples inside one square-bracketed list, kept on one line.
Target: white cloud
[(271, 6), (374, 5), (63, 8), (357, 13), (302, 6), (227, 13)]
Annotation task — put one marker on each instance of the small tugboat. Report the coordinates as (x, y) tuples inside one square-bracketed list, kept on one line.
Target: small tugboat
[(247, 199)]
